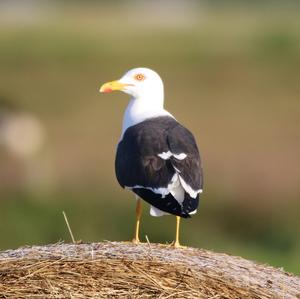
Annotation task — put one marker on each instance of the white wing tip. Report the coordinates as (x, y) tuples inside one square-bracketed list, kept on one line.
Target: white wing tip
[(180, 156), (168, 154), (165, 155)]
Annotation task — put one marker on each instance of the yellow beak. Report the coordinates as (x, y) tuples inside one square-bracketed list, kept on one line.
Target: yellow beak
[(111, 86)]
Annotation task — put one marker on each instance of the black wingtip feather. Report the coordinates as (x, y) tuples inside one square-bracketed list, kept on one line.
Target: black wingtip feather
[(168, 204)]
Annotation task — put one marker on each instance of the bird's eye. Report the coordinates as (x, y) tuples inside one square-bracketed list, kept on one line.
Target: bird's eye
[(139, 77)]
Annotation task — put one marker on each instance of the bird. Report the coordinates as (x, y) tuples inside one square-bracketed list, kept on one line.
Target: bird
[(157, 158)]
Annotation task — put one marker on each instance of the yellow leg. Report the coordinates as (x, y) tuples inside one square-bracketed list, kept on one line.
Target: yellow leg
[(138, 212), (176, 243)]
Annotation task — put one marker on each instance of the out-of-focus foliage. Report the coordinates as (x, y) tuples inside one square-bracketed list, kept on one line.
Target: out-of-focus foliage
[(231, 75)]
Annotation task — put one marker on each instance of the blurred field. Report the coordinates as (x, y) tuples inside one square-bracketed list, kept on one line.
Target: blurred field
[(231, 75)]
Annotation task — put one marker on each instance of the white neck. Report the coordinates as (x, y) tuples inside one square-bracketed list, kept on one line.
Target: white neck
[(140, 109)]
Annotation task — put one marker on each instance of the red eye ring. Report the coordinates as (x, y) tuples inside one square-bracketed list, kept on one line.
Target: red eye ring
[(139, 77)]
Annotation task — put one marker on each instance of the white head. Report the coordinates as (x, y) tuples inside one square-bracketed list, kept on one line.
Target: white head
[(142, 84)]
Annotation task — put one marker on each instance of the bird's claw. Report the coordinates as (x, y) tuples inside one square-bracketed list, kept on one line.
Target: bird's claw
[(176, 244), (135, 241)]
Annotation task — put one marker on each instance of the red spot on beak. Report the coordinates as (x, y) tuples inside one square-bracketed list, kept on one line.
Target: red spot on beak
[(107, 90)]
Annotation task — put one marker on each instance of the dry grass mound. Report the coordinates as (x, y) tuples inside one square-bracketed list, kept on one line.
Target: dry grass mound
[(124, 270)]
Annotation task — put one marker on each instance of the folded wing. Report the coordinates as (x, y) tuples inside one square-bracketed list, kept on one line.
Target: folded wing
[(158, 159)]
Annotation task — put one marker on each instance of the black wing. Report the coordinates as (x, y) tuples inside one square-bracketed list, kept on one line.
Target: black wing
[(182, 141), (138, 164)]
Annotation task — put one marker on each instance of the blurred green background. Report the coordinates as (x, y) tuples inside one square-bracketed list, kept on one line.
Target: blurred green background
[(231, 74)]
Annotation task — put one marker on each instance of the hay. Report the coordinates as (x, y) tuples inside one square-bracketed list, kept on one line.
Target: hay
[(124, 270)]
